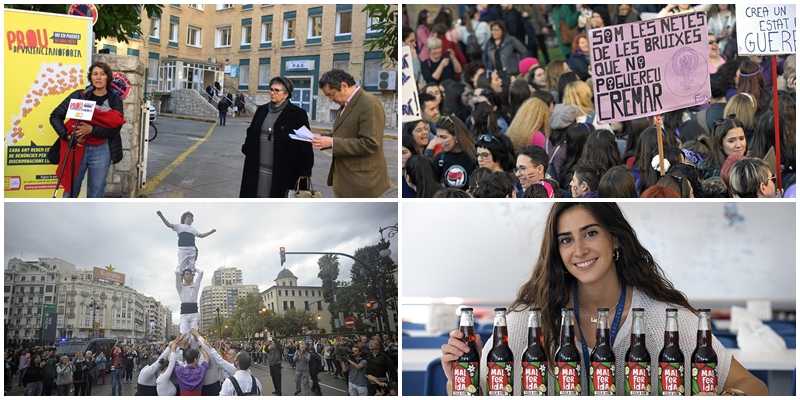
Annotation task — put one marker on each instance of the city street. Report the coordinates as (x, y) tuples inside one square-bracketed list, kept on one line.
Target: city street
[(330, 386), (198, 159)]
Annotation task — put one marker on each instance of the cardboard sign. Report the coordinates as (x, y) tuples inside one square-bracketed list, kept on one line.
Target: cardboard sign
[(81, 109), (766, 29), (410, 97), (46, 59), (650, 67)]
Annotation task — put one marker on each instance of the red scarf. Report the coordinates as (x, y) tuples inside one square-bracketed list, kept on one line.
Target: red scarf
[(102, 117)]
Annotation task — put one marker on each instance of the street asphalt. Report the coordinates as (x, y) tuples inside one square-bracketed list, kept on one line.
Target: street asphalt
[(199, 159)]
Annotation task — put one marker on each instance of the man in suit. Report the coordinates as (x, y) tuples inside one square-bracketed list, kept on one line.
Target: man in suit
[(359, 167)]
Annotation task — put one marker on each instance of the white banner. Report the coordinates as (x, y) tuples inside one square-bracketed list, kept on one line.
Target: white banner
[(409, 95), (766, 29)]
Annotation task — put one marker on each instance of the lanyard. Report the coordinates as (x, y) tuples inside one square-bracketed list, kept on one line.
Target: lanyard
[(614, 325)]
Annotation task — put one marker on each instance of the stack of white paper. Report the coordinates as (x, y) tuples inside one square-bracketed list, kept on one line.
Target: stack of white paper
[(302, 134)]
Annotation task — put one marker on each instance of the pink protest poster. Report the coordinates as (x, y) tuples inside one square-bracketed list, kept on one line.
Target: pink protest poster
[(650, 67)]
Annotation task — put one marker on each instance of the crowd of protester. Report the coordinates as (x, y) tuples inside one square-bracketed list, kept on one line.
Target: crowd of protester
[(507, 110), (191, 365)]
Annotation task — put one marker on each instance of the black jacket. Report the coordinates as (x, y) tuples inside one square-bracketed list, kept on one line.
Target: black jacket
[(292, 158), (59, 115)]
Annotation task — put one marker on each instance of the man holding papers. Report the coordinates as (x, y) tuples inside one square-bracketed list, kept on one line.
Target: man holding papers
[(359, 167), (277, 148)]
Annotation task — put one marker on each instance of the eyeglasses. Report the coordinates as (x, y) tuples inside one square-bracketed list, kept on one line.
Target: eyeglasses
[(488, 139), (712, 42), (275, 90), (774, 179), (484, 154)]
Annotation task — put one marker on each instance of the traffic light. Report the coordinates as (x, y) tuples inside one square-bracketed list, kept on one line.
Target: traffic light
[(283, 255)]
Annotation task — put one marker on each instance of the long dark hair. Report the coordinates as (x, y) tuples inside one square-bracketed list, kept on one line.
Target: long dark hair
[(600, 151), (550, 285), (422, 18), (420, 172), (721, 130)]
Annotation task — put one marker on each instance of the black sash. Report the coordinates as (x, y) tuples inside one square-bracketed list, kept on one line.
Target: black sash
[(188, 308)]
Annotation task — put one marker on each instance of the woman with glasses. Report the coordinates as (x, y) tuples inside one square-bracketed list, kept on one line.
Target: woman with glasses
[(752, 177), (273, 160), (494, 153), (715, 59), (456, 162)]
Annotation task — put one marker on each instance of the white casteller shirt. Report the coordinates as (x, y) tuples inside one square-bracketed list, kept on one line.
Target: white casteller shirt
[(245, 381), (654, 320), (188, 294)]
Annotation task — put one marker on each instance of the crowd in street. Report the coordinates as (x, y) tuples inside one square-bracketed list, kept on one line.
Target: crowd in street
[(507, 110), (190, 364)]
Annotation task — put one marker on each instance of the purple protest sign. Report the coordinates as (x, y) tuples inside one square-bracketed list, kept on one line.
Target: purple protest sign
[(650, 67)]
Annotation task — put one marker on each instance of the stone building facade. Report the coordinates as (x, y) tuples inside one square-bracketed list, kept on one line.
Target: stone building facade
[(192, 45), (287, 295), (85, 302)]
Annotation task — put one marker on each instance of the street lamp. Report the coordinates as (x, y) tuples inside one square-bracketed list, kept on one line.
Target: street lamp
[(94, 306), (384, 252), (219, 323)]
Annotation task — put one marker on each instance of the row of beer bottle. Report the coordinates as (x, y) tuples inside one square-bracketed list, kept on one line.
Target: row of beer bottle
[(566, 368)]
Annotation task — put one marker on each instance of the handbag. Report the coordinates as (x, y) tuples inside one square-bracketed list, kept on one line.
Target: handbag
[(54, 153), (308, 193)]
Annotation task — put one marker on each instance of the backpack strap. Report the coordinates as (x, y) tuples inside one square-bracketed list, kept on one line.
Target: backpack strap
[(236, 386), (254, 389)]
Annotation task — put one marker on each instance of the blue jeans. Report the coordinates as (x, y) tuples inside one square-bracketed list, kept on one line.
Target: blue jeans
[(116, 382), (97, 160)]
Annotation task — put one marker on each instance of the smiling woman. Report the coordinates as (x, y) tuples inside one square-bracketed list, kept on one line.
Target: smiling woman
[(591, 259)]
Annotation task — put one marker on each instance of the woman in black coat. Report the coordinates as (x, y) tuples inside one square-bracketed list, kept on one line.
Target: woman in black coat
[(273, 173)]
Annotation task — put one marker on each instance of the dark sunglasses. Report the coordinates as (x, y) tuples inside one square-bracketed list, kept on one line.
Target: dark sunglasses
[(486, 138), (275, 90)]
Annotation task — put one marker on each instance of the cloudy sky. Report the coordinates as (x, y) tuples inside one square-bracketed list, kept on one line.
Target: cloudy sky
[(131, 237)]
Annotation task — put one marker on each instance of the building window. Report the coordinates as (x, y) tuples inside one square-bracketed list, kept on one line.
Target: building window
[(174, 30), (224, 6), (314, 25), (289, 24), (263, 74), (306, 305), (244, 74), (319, 306), (193, 38), (223, 37), (196, 6), (373, 65), (111, 50), (371, 22), (291, 304), (155, 27), (292, 292), (247, 33), (266, 32), (344, 21)]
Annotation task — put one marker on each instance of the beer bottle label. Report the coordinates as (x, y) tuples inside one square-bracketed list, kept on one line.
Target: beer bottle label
[(601, 379), (499, 378), (670, 376), (465, 379), (704, 379), (534, 378), (568, 378), (637, 378)]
